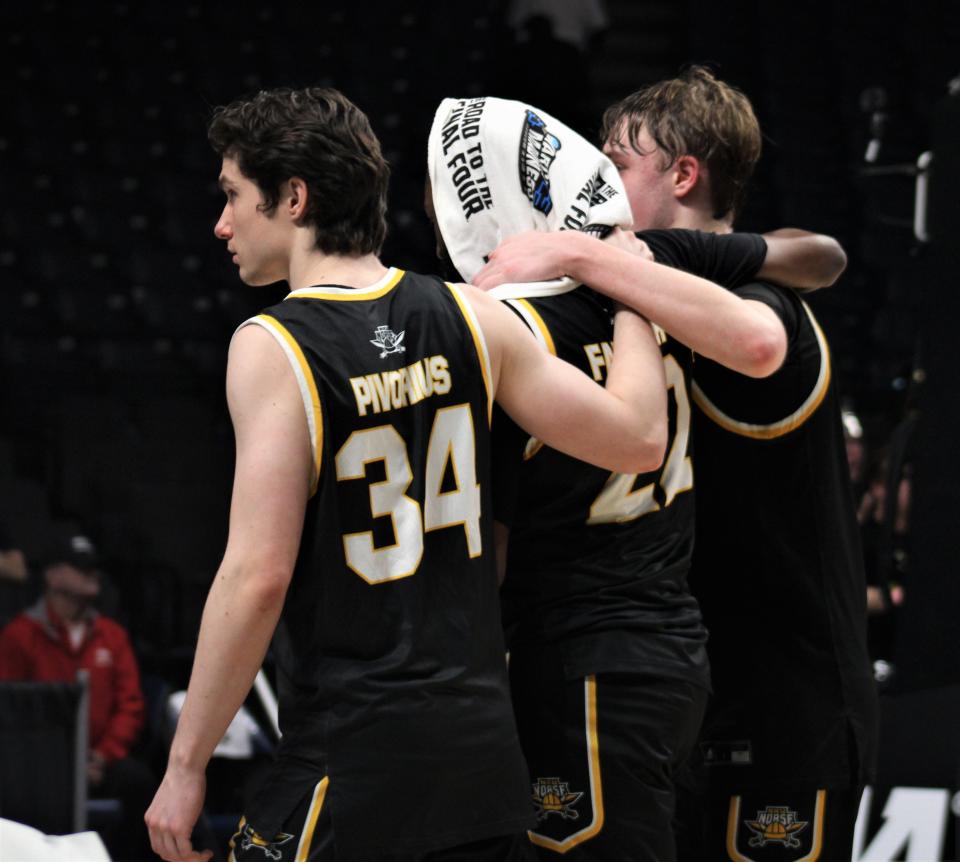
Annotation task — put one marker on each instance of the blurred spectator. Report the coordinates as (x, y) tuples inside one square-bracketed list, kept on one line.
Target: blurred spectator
[(548, 64), (62, 634), (14, 579), (13, 564), (856, 450), (886, 551), (576, 22)]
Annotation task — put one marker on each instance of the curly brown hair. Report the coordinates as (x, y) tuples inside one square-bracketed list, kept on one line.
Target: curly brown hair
[(695, 115), (320, 136)]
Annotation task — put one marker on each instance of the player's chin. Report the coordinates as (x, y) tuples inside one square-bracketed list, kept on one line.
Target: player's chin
[(253, 278)]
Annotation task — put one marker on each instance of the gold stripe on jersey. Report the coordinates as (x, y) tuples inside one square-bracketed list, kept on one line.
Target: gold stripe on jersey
[(733, 823), (351, 294), (479, 343), (310, 823), (596, 789), (790, 423), (308, 387), (536, 323)]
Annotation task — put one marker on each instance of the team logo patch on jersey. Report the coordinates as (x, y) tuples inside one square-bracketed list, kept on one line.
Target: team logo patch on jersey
[(553, 796), (775, 824), (388, 341), (789, 831), (538, 149), (247, 838)]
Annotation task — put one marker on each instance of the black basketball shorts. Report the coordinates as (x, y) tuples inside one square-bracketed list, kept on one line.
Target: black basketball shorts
[(308, 836), (602, 752)]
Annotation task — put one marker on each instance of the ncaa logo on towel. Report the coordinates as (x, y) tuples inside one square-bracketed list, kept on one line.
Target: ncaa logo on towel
[(553, 796), (538, 149)]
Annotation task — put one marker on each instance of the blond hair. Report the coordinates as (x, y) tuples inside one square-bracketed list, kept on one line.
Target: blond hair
[(695, 115)]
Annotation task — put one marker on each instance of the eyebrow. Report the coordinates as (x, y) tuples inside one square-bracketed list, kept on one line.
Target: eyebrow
[(223, 182)]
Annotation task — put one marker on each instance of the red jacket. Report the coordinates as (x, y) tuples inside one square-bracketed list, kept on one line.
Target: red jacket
[(35, 647)]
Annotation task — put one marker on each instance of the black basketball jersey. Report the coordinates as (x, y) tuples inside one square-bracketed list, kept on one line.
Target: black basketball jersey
[(597, 558), (389, 649), (777, 568)]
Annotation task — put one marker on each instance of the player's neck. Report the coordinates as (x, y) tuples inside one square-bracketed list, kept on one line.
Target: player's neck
[(313, 267), (693, 218)]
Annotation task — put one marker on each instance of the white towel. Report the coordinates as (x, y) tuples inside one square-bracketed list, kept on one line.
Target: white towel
[(19, 843), (499, 167)]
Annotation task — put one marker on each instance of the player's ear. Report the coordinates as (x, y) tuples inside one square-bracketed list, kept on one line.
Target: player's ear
[(687, 170), (296, 198)]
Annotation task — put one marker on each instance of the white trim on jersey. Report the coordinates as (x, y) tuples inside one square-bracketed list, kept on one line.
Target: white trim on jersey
[(532, 323), (534, 289), (769, 431), (307, 385), (479, 339), (379, 284)]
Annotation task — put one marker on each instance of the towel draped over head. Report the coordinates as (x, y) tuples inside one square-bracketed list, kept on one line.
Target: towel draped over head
[(499, 167)]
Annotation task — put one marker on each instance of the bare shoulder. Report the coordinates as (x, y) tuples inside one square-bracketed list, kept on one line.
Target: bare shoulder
[(258, 367)]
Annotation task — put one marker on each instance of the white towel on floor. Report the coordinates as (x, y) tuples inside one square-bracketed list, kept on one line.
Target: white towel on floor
[(19, 843), (499, 167)]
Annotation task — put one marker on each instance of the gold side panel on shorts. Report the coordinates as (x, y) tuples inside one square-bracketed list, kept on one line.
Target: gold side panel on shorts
[(596, 789), (773, 430), (310, 822), (816, 847)]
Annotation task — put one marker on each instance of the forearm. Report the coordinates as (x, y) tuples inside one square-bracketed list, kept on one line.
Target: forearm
[(238, 622), (802, 260), (698, 313), (635, 374)]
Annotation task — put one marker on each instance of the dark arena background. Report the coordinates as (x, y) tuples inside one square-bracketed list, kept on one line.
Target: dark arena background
[(117, 302)]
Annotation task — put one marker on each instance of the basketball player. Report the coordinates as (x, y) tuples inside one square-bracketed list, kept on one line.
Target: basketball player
[(608, 666), (790, 732), (360, 513)]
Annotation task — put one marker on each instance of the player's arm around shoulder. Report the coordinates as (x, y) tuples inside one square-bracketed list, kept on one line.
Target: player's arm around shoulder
[(621, 428), (802, 260), (741, 335), (272, 482)]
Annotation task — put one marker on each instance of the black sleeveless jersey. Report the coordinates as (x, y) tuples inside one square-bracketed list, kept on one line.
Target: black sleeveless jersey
[(392, 677), (777, 568), (596, 559)]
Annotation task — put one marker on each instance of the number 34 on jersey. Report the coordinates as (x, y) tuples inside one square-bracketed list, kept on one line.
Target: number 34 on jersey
[(451, 444)]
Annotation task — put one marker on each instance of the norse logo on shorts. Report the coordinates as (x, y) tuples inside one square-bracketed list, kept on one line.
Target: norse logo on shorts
[(388, 341), (776, 824), (538, 149), (271, 849), (553, 796)]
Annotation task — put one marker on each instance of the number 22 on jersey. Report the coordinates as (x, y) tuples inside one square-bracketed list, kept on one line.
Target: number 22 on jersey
[(451, 443), (618, 501)]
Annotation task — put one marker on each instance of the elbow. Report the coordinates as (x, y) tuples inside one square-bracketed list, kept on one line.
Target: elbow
[(833, 261), (647, 452), (262, 583), (269, 588), (765, 352)]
